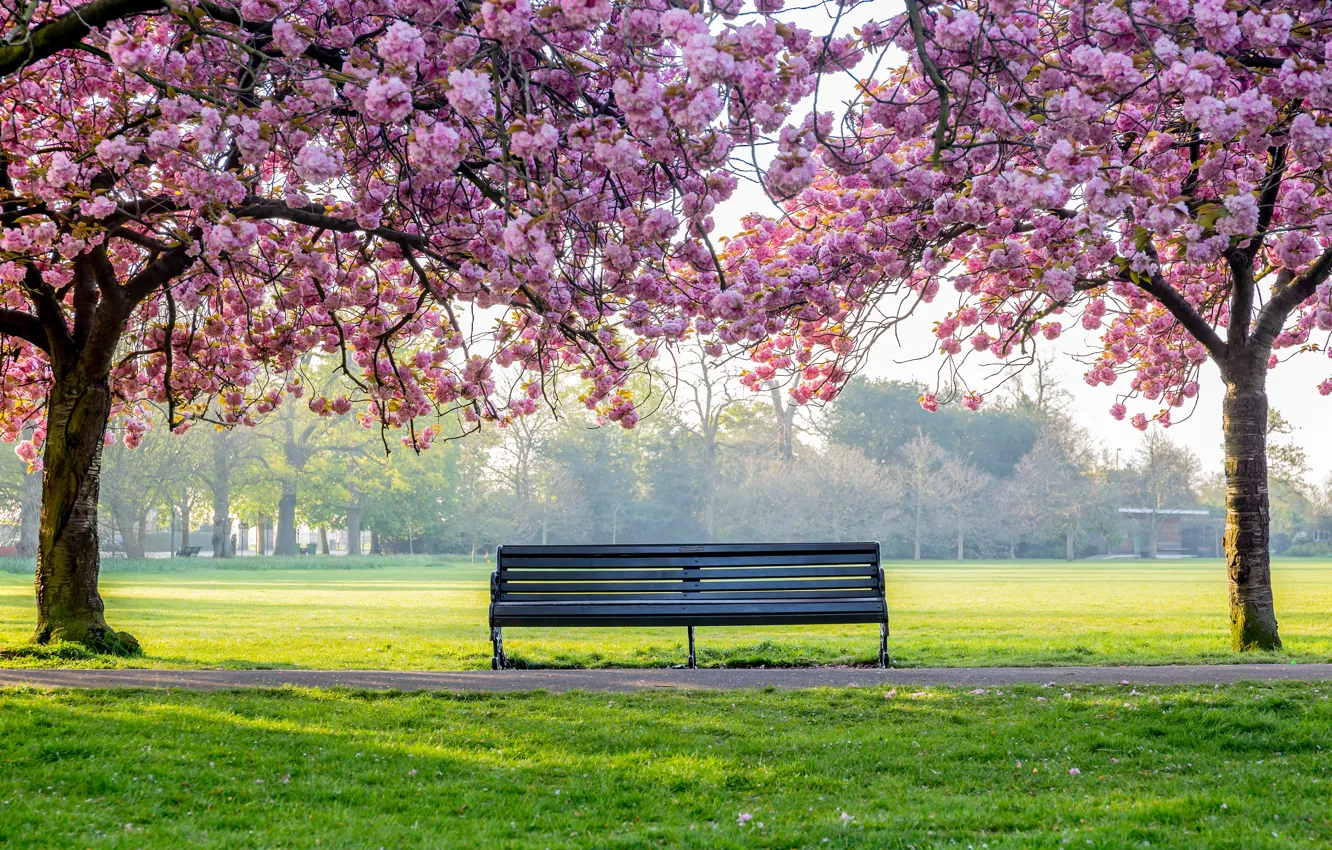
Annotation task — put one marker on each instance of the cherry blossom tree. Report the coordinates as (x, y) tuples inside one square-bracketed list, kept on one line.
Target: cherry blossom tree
[(199, 199), (1153, 171)]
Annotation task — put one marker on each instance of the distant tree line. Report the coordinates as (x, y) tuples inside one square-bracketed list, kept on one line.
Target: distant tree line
[(1018, 479)]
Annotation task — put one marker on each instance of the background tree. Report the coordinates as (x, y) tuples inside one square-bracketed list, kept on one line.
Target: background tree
[(1165, 478), (1057, 490), (963, 491), (918, 468)]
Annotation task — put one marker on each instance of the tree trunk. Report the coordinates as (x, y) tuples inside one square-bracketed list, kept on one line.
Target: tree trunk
[(354, 529), (261, 536), (1068, 544), (136, 543), (323, 540), (286, 528), (1012, 550), (1253, 622), (243, 537), (30, 514), (961, 547), (710, 491), (374, 542), (916, 535), (68, 604), (221, 498)]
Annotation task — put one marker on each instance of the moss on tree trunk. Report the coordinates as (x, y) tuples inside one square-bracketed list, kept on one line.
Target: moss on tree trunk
[(1253, 622), (68, 604)]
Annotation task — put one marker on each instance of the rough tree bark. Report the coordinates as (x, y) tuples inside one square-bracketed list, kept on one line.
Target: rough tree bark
[(1068, 544), (68, 604), (1253, 623)]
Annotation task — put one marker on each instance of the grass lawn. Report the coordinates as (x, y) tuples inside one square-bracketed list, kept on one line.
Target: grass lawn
[(426, 613), (1031, 767)]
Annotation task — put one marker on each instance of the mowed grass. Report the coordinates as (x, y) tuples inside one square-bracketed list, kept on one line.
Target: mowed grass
[(1234, 767), (431, 614)]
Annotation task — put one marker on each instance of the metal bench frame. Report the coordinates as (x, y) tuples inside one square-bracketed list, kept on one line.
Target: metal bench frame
[(712, 585)]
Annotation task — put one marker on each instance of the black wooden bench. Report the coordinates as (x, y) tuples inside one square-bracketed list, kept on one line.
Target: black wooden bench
[(714, 585), (188, 551)]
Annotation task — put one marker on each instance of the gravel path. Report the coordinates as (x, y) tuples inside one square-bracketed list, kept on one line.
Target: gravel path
[(558, 681)]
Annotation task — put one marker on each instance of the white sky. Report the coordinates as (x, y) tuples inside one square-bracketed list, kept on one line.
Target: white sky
[(1292, 385)]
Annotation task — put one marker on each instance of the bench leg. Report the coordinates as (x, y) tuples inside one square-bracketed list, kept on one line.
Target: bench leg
[(693, 662), (883, 644), (499, 661)]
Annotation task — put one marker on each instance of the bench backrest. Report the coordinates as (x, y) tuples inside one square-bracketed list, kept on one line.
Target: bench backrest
[(687, 585)]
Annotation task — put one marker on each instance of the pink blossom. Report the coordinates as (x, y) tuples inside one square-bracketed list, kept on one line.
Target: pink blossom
[(117, 153), (402, 45), (318, 164), (99, 207), (469, 93), (1118, 411), (288, 41), (585, 13), (506, 21), (387, 100)]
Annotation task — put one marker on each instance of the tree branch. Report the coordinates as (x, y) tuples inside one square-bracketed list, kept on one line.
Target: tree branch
[(1267, 198), (1279, 306), (68, 30), (936, 79), (1241, 298), (1181, 309), (59, 343), (24, 326)]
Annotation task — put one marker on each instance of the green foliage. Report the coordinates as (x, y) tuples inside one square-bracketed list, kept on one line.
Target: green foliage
[(879, 417), (1239, 766), (1310, 549), (268, 563), (426, 613)]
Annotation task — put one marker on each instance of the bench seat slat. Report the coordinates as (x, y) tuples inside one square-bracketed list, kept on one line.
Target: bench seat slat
[(509, 586), (829, 559), (507, 574), (698, 608)]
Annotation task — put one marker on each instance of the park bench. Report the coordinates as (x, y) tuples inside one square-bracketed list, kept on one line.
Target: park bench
[(188, 551), (713, 585)]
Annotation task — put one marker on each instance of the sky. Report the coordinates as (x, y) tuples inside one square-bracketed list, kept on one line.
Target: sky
[(1292, 386)]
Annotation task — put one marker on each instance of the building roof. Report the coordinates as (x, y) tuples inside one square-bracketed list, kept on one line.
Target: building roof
[(1166, 511)]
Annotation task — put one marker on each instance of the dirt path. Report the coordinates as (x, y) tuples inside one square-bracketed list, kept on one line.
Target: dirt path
[(627, 680)]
